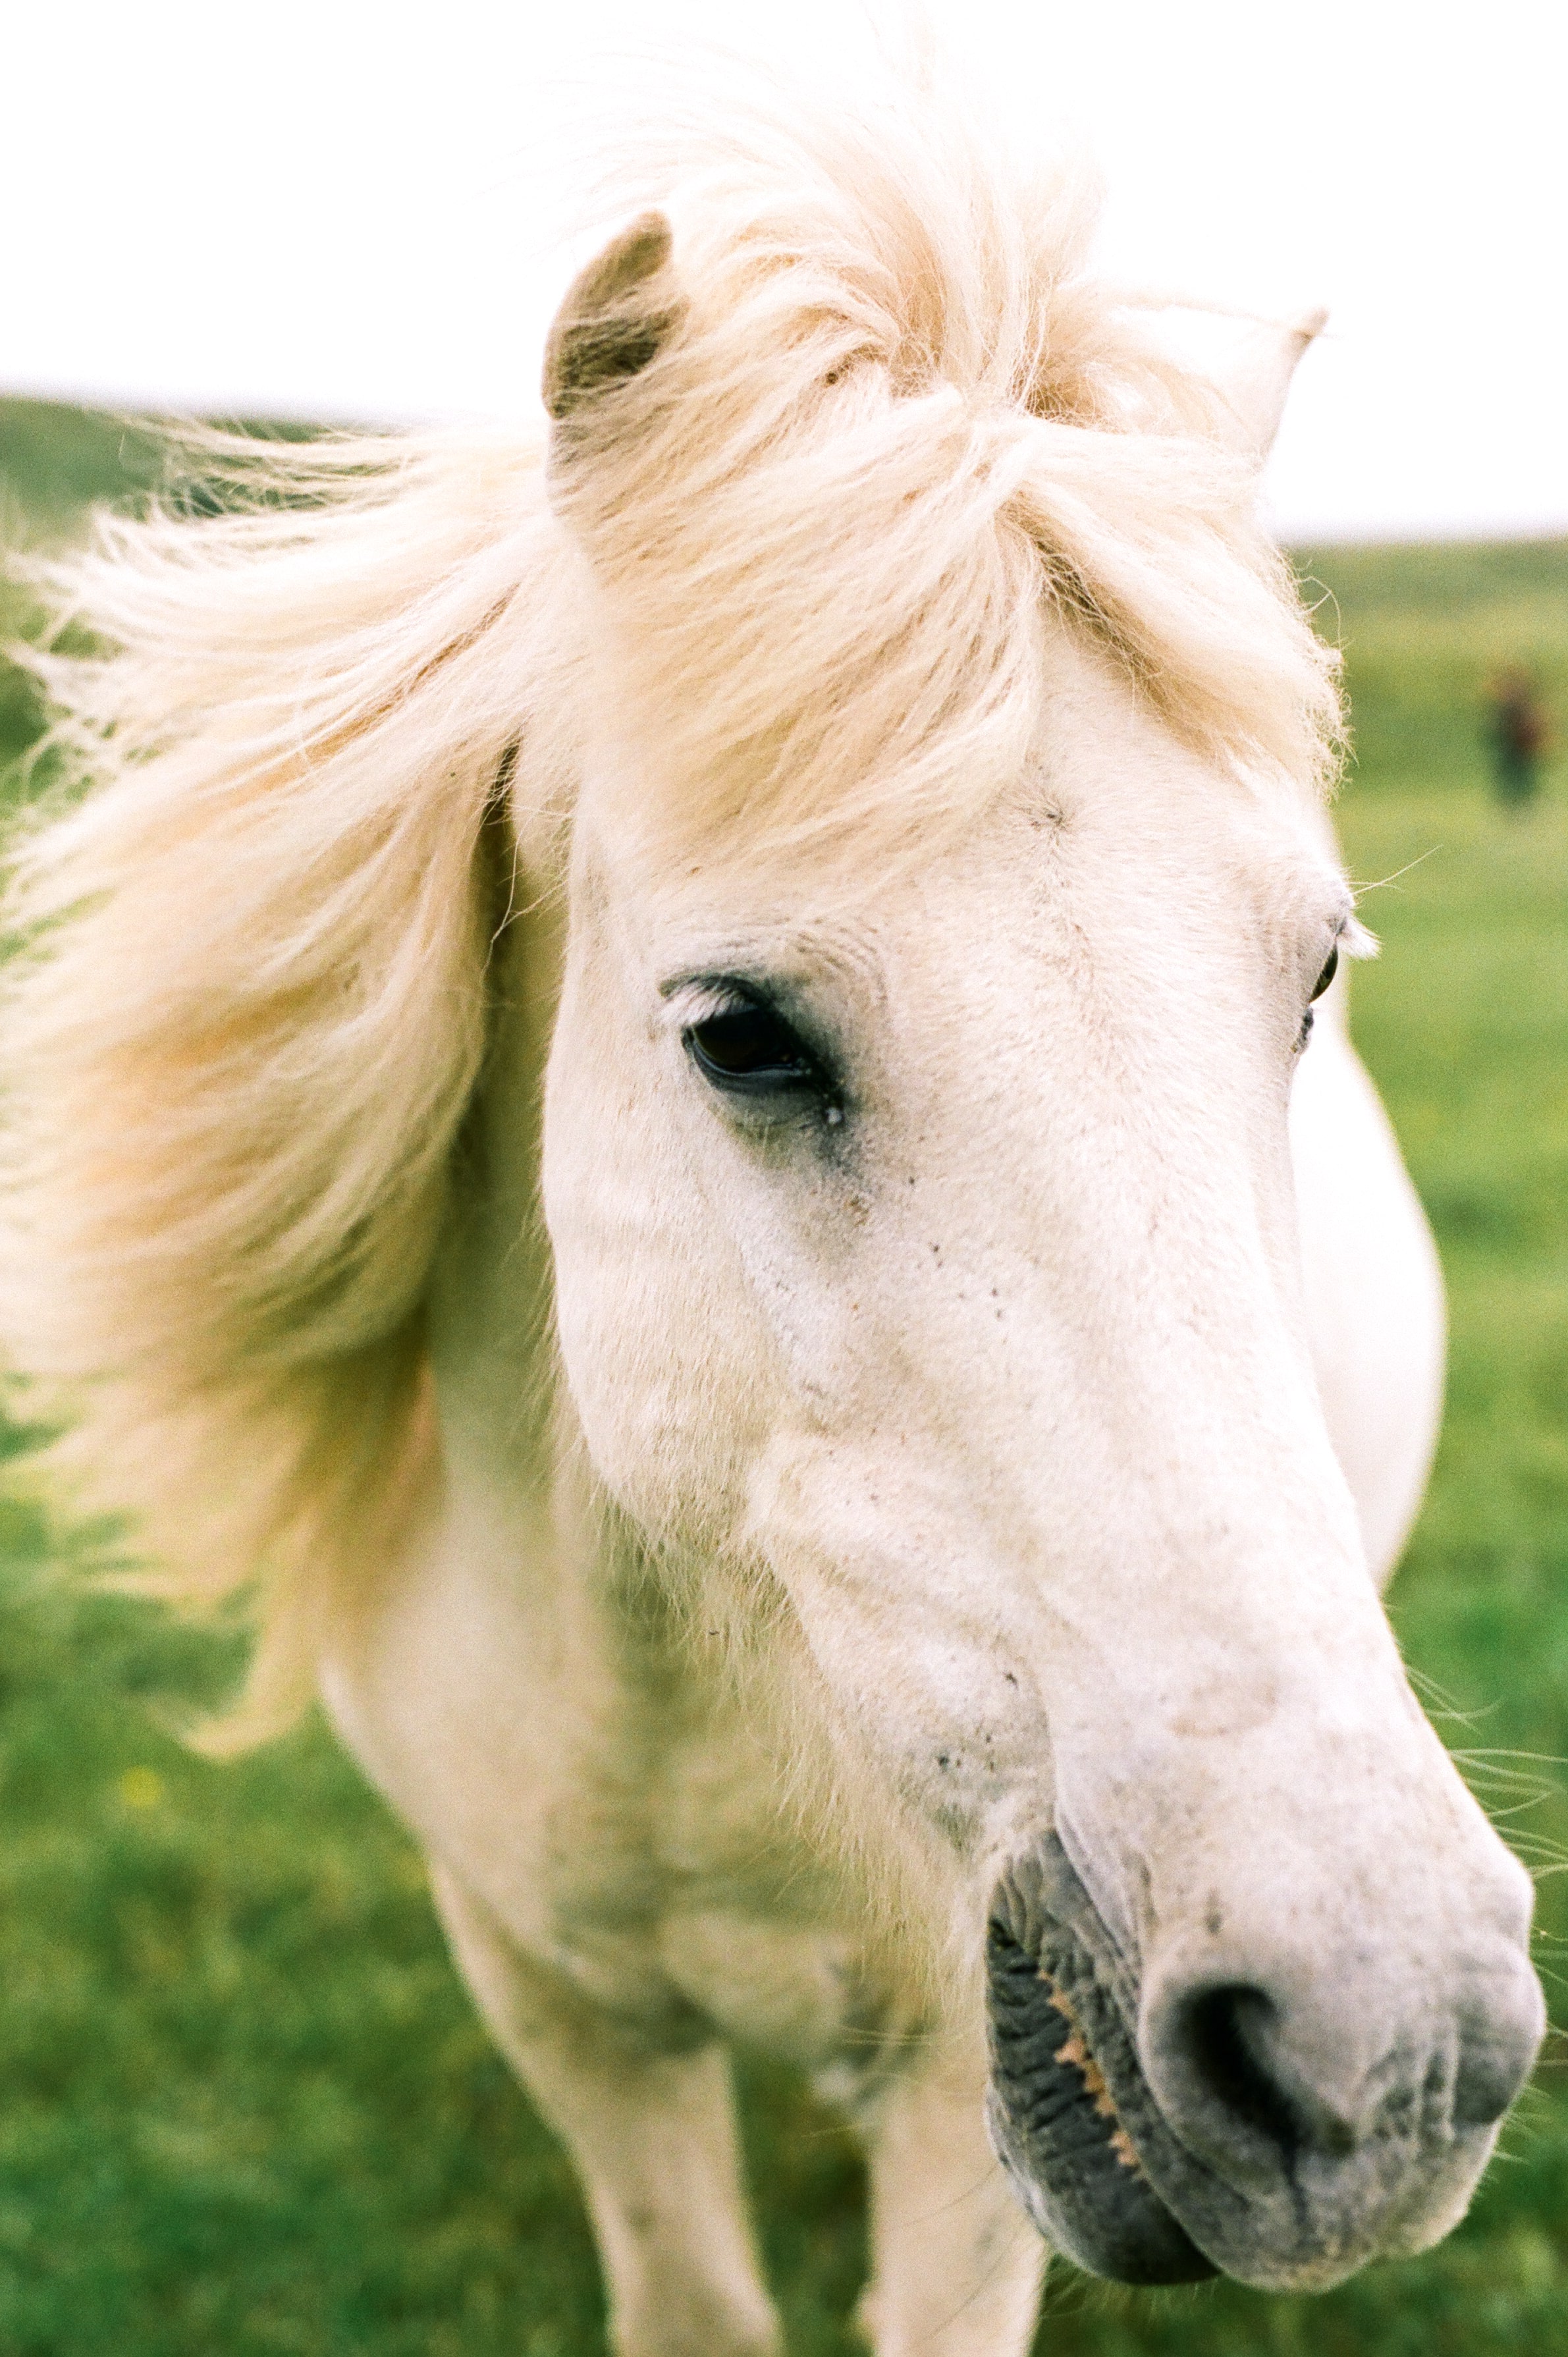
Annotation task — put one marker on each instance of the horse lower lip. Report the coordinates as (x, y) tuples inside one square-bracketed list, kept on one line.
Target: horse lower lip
[(1056, 2129)]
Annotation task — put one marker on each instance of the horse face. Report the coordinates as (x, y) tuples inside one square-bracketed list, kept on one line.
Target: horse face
[(938, 1256)]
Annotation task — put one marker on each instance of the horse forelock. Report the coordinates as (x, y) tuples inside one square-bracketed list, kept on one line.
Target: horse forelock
[(895, 422)]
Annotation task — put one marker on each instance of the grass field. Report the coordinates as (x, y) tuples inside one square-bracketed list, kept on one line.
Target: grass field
[(245, 2109)]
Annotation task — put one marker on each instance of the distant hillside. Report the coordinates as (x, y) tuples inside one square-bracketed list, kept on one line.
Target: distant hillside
[(1422, 628), (54, 459)]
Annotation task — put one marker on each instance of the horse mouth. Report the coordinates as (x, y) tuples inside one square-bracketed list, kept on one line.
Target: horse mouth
[(1253, 2188), (1060, 2058)]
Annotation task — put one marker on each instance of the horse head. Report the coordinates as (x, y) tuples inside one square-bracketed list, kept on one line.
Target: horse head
[(917, 1176)]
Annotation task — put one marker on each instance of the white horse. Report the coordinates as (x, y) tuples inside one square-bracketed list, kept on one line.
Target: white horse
[(656, 1091)]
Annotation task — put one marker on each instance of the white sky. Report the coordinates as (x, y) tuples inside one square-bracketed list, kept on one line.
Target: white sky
[(335, 210)]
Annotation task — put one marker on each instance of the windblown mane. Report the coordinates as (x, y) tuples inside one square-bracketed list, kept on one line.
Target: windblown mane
[(805, 582)]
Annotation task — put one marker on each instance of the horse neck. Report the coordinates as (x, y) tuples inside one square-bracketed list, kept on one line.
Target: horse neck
[(491, 1297)]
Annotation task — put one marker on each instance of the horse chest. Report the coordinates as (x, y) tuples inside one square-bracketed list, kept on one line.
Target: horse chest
[(629, 1819), (662, 1871), (755, 1929)]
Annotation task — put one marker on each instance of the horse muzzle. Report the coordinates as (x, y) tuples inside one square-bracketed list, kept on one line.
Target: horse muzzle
[(1208, 2121)]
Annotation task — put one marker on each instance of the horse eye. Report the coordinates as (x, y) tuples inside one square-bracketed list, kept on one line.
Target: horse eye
[(1330, 968), (751, 1050), (1329, 971)]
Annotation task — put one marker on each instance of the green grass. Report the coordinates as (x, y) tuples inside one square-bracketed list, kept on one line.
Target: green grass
[(244, 2106)]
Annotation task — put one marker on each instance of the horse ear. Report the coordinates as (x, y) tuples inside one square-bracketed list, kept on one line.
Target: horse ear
[(1258, 378), (615, 316)]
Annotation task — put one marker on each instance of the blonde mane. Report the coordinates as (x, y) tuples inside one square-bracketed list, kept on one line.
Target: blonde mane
[(802, 574)]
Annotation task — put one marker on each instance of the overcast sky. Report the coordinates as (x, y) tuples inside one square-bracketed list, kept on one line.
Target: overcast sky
[(335, 210)]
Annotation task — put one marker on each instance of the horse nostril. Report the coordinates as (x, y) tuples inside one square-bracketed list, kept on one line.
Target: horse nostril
[(1231, 2039), (1491, 2072), (1301, 2083)]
